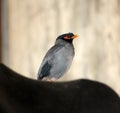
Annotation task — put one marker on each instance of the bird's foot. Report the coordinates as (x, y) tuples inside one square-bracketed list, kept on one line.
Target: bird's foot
[(49, 79)]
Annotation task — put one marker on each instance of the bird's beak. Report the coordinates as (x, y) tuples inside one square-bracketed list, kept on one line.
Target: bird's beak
[(75, 36)]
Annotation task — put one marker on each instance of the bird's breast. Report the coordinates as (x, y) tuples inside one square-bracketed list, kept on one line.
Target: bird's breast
[(65, 56)]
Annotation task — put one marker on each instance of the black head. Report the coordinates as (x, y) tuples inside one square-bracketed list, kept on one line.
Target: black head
[(67, 37)]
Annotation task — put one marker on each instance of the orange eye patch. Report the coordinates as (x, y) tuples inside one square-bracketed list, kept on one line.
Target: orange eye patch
[(66, 37)]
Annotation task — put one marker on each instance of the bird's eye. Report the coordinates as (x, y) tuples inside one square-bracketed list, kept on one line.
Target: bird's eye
[(66, 37)]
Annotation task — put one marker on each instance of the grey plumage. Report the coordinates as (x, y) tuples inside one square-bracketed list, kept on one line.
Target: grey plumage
[(58, 59)]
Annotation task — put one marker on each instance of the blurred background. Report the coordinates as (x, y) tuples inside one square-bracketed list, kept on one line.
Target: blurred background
[(29, 28)]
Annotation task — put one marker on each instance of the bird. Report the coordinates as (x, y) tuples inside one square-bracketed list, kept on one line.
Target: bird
[(58, 59)]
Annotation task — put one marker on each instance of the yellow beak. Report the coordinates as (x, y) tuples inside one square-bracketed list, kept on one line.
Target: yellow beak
[(75, 36)]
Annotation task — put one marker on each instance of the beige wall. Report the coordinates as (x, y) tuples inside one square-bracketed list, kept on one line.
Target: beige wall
[(34, 24)]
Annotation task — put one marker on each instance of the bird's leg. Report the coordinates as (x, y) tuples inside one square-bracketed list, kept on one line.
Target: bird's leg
[(49, 79)]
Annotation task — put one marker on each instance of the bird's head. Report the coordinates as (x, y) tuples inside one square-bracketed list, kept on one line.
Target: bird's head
[(67, 37)]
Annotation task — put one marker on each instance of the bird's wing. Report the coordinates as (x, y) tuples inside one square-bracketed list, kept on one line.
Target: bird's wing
[(45, 70), (48, 61)]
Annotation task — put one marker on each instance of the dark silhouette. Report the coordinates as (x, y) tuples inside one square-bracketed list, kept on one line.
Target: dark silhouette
[(23, 95)]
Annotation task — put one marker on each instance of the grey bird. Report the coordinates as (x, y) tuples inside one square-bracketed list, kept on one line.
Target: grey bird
[(58, 59)]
